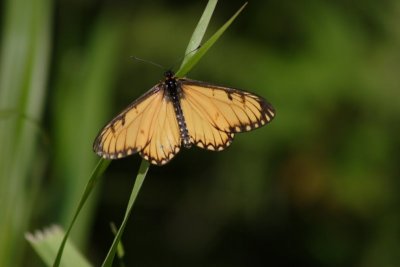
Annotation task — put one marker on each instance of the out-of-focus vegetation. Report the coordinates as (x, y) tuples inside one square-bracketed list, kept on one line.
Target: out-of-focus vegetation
[(316, 187)]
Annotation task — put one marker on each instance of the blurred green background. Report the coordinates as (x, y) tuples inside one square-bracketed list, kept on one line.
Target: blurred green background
[(316, 187)]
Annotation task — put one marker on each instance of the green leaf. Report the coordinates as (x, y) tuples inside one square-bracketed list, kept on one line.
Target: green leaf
[(193, 59), (46, 242)]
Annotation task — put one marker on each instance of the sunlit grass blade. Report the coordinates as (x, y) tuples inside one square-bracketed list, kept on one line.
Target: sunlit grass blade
[(144, 167), (97, 172), (200, 30), (46, 242), (193, 59)]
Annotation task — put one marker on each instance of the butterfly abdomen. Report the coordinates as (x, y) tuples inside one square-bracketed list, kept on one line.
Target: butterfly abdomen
[(174, 93)]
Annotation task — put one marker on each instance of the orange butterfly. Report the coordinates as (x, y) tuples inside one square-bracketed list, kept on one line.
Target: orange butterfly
[(180, 111)]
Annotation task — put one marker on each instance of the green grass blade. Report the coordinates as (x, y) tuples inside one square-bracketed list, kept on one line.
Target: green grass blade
[(144, 167), (100, 168), (198, 34), (46, 242), (192, 60)]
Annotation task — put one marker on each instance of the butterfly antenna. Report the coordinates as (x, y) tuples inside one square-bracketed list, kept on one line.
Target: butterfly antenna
[(161, 66), (148, 61), (182, 58)]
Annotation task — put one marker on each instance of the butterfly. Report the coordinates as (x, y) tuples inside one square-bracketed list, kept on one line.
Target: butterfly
[(181, 112)]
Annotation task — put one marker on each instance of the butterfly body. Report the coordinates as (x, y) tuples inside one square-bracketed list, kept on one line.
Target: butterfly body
[(173, 89), (181, 112)]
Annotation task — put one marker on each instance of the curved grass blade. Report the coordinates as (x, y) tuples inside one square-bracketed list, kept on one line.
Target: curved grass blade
[(97, 172), (144, 167), (198, 33), (193, 59)]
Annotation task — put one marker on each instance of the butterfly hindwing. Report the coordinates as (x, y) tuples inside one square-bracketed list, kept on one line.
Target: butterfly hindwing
[(202, 133)]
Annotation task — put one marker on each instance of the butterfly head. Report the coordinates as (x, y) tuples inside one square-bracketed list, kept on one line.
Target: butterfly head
[(169, 74), (170, 81)]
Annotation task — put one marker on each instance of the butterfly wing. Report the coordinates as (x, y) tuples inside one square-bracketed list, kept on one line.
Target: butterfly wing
[(165, 136), (147, 126), (213, 114)]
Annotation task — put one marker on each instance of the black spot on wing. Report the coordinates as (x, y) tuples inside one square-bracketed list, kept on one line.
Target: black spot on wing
[(229, 94)]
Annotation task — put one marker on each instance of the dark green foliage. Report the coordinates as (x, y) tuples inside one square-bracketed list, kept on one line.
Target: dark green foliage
[(316, 187)]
